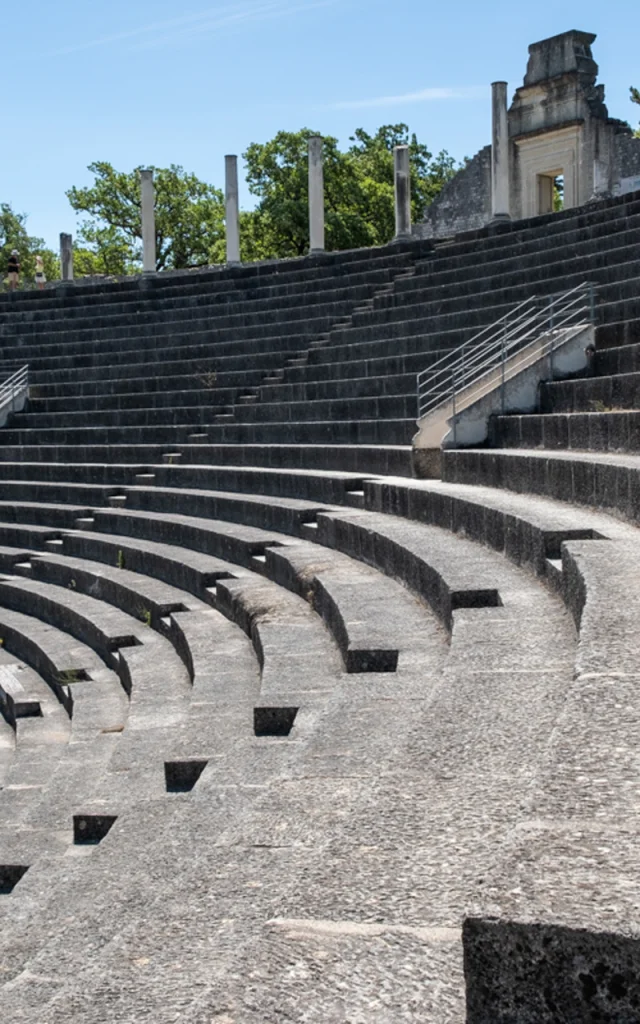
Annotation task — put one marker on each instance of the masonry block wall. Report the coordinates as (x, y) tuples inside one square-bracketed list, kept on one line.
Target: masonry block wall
[(559, 125)]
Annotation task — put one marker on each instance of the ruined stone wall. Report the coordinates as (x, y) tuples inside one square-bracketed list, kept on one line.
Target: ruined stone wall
[(464, 203), (558, 123), (626, 161)]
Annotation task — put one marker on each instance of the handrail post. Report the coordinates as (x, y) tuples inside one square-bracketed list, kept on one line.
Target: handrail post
[(592, 303), (503, 357), (453, 407)]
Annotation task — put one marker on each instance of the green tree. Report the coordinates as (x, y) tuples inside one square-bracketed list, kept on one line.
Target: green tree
[(635, 98), (277, 173), (359, 200), (373, 155), (189, 220), (14, 235)]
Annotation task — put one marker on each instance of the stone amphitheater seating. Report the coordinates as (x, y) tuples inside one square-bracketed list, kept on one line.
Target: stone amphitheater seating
[(287, 734)]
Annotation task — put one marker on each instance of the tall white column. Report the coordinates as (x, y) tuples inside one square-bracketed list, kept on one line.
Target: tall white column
[(316, 194), (500, 166), (148, 204), (232, 215), (402, 185), (66, 256)]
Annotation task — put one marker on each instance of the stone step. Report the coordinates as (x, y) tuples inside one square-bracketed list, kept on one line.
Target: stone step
[(79, 679), (605, 481), (402, 406), (358, 619), (592, 394), (125, 459), (606, 431), (299, 662), (339, 432), (356, 266), (127, 645), (375, 621), (529, 529), (186, 305)]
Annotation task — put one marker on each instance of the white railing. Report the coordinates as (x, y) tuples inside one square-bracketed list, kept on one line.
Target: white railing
[(14, 388), (488, 351)]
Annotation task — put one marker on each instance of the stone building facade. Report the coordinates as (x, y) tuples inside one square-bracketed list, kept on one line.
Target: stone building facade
[(557, 126)]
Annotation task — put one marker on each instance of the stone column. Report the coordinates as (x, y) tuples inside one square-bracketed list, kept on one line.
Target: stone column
[(316, 194), (66, 256), (148, 207), (402, 183), (232, 215), (500, 166)]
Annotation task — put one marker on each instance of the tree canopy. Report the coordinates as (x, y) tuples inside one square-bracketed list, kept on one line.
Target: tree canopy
[(359, 199), (190, 214), (14, 235), (189, 220)]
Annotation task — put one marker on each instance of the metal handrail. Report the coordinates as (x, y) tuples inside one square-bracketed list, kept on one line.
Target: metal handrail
[(14, 386), (492, 346)]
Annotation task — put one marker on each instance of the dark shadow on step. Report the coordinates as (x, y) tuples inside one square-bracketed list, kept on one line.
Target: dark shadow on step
[(90, 829), (181, 776), (541, 974), (273, 721), (10, 875)]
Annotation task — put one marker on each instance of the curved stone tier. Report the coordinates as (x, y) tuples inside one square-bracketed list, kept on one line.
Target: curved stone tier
[(285, 734)]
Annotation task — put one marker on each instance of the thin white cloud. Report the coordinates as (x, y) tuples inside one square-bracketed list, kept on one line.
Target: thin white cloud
[(208, 21), (217, 20), (422, 96)]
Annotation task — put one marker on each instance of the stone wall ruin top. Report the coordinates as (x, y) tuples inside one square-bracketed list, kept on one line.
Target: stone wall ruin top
[(558, 125)]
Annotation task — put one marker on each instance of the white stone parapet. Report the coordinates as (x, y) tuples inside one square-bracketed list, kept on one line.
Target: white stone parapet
[(500, 158), (66, 256), (148, 209), (232, 215), (316, 194), (402, 188)]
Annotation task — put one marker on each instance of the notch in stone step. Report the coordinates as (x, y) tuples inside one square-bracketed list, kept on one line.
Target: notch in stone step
[(145, 479), (553, 541), (27, 707), (198, 438), (554, 570), (309, 529), (117, 500), (170, 458), (68, 676), (116, 642), (371, 660), (181, 776), (489, 598), (85, 523), (354, 498), (54, 544), (10, 875), (90, 829), (210, 579), (274, 721)]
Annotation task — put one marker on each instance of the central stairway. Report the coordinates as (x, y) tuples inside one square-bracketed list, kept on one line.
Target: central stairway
[(286, 733)]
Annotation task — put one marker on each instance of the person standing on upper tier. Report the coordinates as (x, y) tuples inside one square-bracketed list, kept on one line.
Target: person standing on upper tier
[(13, 270), (40, 275)]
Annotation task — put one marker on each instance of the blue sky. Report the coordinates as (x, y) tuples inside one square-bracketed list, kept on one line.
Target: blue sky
[(141, 82)]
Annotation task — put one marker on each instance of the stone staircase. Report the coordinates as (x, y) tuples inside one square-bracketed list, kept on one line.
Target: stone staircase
[(302, 715)]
